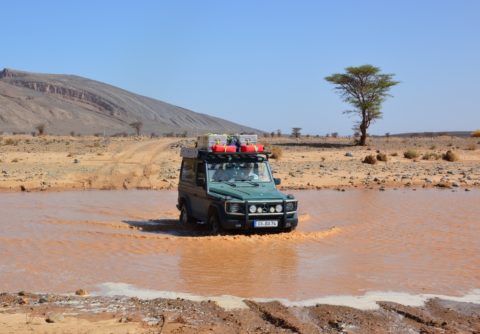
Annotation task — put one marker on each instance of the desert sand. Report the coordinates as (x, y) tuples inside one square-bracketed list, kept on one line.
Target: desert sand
[(68, 163)]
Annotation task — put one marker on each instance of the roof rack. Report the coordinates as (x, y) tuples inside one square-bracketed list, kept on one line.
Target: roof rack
[(187, 152)]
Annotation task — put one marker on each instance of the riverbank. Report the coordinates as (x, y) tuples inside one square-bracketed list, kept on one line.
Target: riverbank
[(54, 163), (47, 313)]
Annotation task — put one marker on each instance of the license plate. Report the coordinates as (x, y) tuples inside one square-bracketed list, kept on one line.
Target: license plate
[(265, 223)]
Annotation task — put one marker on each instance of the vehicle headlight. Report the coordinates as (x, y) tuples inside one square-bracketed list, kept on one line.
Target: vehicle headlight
[(252, 208), (259, 210), (234, 207), (279, 208), (272, 209), (290, 206)]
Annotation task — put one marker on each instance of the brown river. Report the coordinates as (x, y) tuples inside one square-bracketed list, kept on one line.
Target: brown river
[(347, 243)]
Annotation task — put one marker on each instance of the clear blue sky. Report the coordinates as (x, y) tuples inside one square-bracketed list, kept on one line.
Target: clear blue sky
[(262, 63)]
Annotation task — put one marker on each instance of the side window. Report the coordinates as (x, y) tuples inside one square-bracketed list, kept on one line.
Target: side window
[(201, 171), (188, 173)]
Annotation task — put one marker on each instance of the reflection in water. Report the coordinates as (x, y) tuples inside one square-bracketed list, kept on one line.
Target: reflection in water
[(347, 243)]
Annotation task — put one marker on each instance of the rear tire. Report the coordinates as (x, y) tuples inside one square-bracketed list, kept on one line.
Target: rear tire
[(185, 218), (214, 223)]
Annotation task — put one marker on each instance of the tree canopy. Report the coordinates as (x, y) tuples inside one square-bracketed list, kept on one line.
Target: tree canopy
[(365, 88)]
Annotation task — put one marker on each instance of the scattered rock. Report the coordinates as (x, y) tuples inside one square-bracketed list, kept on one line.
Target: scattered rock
[(349, 154), (23, 300), (43, 299), (54, 318), (22, 188), (76, 161), (455, 184)]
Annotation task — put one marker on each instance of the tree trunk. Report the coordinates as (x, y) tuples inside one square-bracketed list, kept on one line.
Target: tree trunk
[(363, 130)]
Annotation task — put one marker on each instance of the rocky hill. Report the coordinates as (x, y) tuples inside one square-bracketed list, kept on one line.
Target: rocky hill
[(69, 103)]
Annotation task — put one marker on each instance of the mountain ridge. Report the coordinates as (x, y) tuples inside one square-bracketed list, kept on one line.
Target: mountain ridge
[(71, 103)]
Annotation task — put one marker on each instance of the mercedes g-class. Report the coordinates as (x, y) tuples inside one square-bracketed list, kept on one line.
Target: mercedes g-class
[(232, 191)]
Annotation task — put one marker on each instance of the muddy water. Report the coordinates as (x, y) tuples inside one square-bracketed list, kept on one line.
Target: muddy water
[(350, 242)]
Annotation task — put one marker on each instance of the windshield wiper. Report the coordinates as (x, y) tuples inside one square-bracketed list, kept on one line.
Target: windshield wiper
[(254, 183), (229, 183)]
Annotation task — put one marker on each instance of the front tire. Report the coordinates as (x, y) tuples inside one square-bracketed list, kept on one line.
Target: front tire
[(185, 218), (214, 223)]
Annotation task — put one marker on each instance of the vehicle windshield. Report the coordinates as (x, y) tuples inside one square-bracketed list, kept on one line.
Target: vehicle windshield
[(238, 171)]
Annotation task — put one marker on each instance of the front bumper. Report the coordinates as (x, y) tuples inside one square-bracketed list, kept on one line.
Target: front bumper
[(234, 222)]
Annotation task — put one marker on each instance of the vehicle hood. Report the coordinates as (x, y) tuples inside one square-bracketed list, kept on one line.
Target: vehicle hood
[(246, 191)]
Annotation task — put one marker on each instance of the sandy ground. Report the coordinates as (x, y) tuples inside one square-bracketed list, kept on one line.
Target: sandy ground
[(65, 163), (30, 313)]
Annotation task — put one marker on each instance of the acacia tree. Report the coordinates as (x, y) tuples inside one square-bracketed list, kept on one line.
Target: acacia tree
[(137, 126), (41, 129), (296, 132), (365, 88)]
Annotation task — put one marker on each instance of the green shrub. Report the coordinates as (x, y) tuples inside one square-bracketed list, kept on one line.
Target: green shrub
[(410, 154)]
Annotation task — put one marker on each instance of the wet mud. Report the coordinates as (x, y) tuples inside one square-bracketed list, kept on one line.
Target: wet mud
[(26, 313)]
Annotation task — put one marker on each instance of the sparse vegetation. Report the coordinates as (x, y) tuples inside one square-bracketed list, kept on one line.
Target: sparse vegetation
[(394, 154), (137, 126), (277, 152), (370, 159), (382, 157), (450, 156), (41, 129), (411, 154), (296, 132), (476, 133), (431, 156), (11, 141), (471, 147)]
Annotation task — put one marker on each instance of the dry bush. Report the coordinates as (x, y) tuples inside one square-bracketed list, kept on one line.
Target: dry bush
[(476, 134), (410, 154), (10, 141), (382, 157), (14, 160), (471, 147), (370, 159), (431, 156), (276, 151), (394, 154), (450, 156)]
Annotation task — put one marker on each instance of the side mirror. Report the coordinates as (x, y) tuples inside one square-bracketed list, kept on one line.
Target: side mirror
[(277, 181), (201, 181)]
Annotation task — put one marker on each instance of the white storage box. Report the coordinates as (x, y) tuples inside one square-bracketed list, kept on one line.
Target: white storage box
[(247, 139), (207, 141), (188, 152)]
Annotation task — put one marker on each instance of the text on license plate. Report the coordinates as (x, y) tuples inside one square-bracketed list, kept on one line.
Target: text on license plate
[(265, 223)]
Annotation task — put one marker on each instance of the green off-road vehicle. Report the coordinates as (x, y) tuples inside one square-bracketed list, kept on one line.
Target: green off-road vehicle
[(233, 191)]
